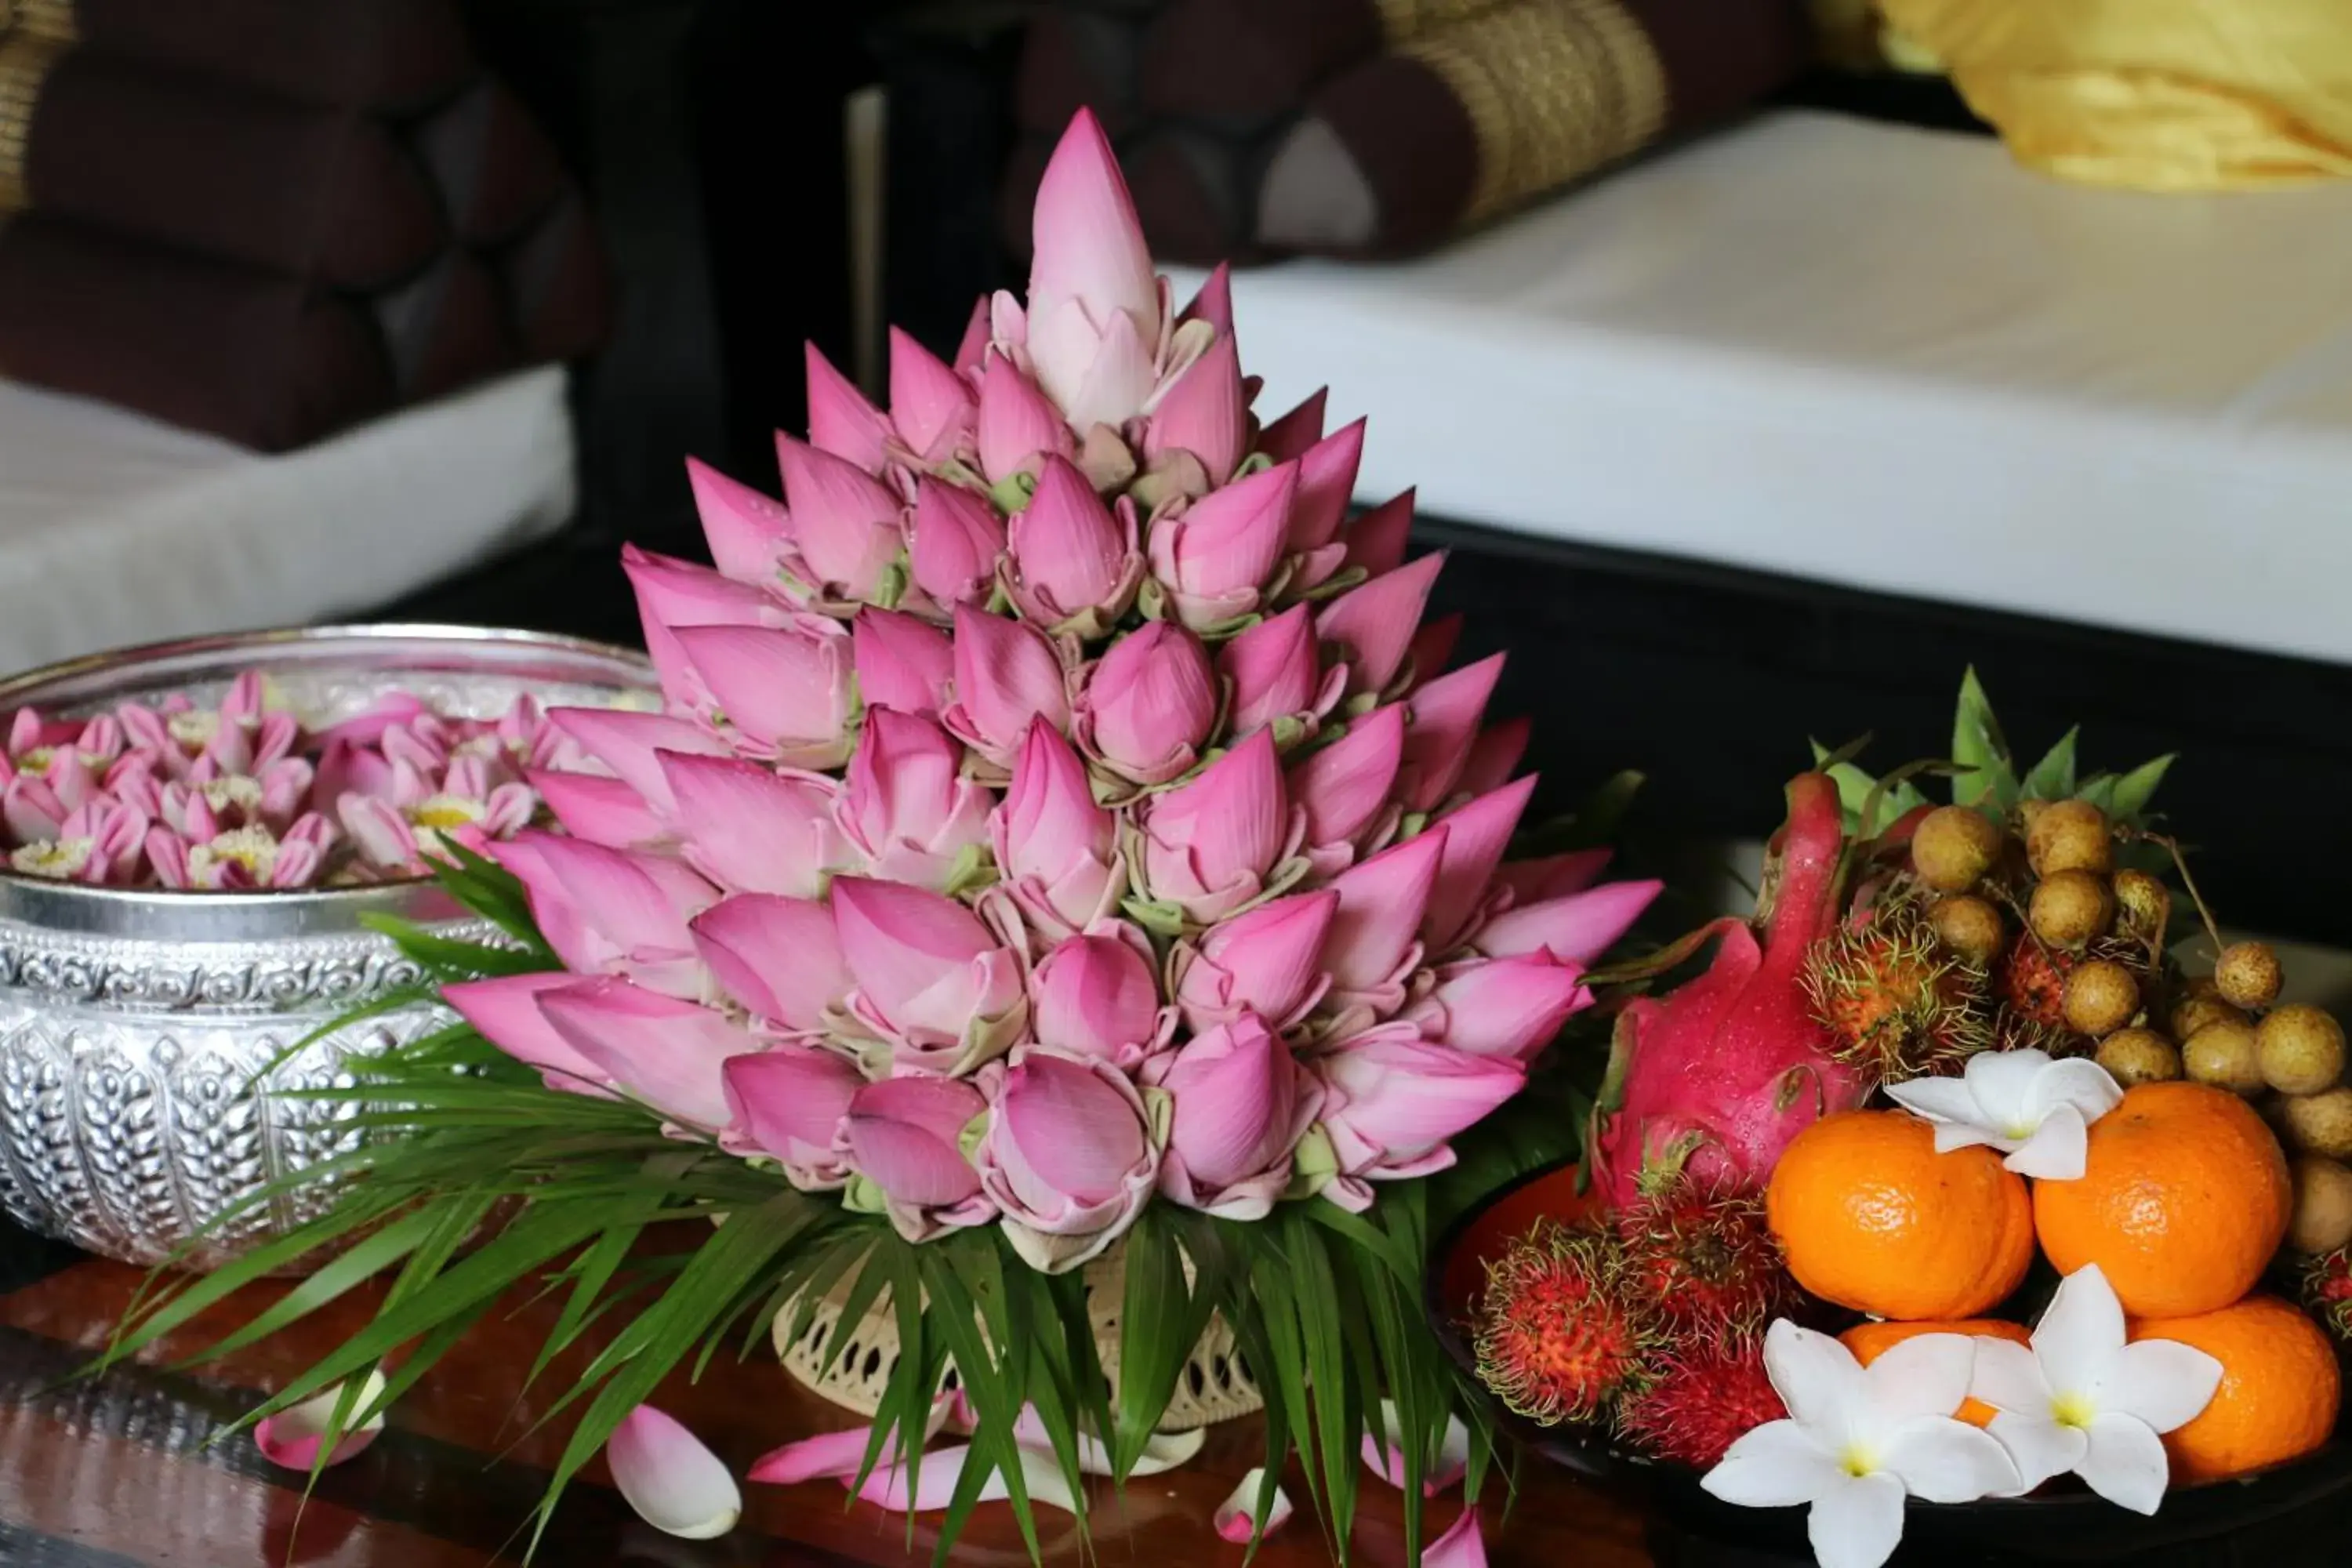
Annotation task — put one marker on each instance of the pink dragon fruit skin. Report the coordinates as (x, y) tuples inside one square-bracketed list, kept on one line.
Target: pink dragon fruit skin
[(1715, 1078)]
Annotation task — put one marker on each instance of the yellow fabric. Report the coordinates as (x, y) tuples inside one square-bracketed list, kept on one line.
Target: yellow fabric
[(2161, 95)]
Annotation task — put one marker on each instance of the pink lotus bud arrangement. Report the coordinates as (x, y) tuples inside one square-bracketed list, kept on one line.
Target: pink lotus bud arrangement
[(1060, 841), (238, 796), (1056, 803)]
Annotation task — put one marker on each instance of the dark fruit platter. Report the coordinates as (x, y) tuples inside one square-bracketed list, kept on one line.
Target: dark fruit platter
[(2290, 1515)]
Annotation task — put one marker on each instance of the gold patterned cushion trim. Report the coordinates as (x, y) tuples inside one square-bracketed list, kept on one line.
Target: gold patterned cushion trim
[(1402, 21), (25, 62), (1554, 89), (52, 19)]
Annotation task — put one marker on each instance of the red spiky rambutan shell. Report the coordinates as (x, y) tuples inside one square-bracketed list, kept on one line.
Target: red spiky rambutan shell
[(1558, 1339), (2033, 984), (1894, 1000), (1703, 1399), (1704, 1260), (2327, 1293)]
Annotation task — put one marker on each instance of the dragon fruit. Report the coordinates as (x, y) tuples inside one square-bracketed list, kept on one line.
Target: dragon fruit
[(1713, 1080)]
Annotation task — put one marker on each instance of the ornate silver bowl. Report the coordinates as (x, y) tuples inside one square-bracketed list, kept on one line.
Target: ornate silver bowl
[(136, 1026)]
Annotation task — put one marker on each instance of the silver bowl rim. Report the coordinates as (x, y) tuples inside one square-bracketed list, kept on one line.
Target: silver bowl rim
[(191, 914)]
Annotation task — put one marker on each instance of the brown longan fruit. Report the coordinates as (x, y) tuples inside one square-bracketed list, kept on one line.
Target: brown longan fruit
[(2139, 1056), (2301, 1048), (2323, 1205), (2199, 1005), (2101, 997), (1971, 927), (2070, 908), (2224, 1055), (2247, 974), (1954, 847), (2143, 902), (2070, 836), (2321, 1123)]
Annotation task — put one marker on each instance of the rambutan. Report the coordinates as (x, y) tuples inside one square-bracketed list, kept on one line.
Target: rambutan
[(2031, 987), (1703, 1260), (1703, 1398), (1558, 1338), (1895, 1001), (2327, 1293)]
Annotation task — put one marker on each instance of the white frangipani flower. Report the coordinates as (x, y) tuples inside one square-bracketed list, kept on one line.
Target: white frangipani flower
[(2082, 1398), (2036, 1111), (1858, 1440)]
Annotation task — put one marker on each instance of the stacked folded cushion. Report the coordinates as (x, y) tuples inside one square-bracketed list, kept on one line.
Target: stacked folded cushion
[(270, 219), (1253, 128)]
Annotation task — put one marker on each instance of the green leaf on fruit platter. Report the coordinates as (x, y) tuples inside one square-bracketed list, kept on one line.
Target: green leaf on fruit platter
[(2052, 778), (2136, 788), (1869, 809), (1986, 775)]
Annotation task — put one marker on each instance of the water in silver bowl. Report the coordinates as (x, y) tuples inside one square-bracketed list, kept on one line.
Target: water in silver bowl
[(134, 1024)]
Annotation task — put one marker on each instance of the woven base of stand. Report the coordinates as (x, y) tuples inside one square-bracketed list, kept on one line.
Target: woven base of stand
[(1215, 1385)]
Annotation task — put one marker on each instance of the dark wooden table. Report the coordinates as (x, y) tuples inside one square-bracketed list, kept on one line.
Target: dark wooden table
[(118, 1472)]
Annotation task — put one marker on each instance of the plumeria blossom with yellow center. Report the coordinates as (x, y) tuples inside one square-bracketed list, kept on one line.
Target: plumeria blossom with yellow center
[(2082, 1398), (2038, 1111), (1858, 1440)]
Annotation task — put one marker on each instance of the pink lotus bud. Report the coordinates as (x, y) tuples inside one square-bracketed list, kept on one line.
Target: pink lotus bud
[(1214, 555), (1269, 962), (672, 594), (902, 1134), (1442, 719), (1432, 648), (1018, 426), (1327, 482), (1554, 876), (973, 347), (752, 830), (1576, 929), (1210, 844), (1373, 944), (606, 911), (1391, 1101), (32, 809), (906, 805), (1149, 704), (1242, 1102), (378, 832), (1069, 1157), (840, 420), (845, 528), (505, 1012), (789, 1101), (1376, 539), (1475, 837), (1493, 757), (931, 405), (629, 743), (1203, 413), (102, 843), (958, 541), (1095, 308), (747, 533), (1066, 553), (901, 662), (1214, 302), (1343, 786), (1277, 673), (669, 1054), (1509, 1008), (785, 694), (1006, 674), (1373, 625), (929, 973), (1097, 996), (1056, 848), (1290, 436), (781, 958)]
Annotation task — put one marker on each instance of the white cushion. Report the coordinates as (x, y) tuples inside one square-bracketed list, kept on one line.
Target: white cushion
[(1878, 357), (115, 530)]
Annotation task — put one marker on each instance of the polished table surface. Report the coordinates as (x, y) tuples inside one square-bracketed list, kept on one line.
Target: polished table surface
[(117, 1472)]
